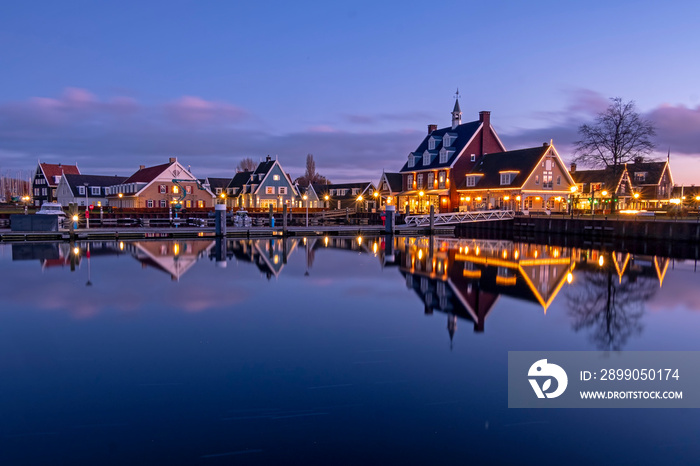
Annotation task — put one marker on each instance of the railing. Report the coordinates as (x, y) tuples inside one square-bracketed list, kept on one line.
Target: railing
[(453, 218)]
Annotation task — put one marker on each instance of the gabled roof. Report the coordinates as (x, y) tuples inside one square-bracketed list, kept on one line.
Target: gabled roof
[(610, 177), (148, 174), (465, 132), (51, 170), (218, 182), (92, 180), (522, 161), (394, 180), (239, 179), (325, 188), (654, 171)]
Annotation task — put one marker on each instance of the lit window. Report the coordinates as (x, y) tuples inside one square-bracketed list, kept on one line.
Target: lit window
[(276, 177), (176, 189)]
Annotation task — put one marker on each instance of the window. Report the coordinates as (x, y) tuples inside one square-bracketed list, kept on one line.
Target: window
[(200, 204), (558, 180), (441, 179), (547, 180), (443, 155), (269, 190), (282, 190), (36, 191), (81, 190), (505, 178), (188, 204), (623, 187), (411, 161), (276, 177), (188, 189), (431, 144), (537, 179), (163, 189), (446, 141), (473, 158), (355, 191), (431, 180), (409, 181), (640, 176), (420, 181), (426, 158), (176, 189), (163, 204), (471, 181), (149, 203), (332, 192), (95, 190)]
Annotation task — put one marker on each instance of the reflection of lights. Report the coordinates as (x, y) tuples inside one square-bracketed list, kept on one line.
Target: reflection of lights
[(505, 254), (537, 253), (325, 241), (76, 250), (176, 249), (121, 245), (516, 254), (569, 277), (359, 240), (556, 253), (477, 250), (420, 254), (461, 249), (374, 248), (276, 259), (601, 261)]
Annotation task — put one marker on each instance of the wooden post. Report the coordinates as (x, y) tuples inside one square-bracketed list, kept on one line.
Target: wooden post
[(284, 220)]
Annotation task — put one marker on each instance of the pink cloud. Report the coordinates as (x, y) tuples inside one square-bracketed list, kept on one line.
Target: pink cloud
[(322, 129), (191, 109)]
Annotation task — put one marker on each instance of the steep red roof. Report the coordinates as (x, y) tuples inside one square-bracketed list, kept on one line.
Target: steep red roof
[(148, 174), (50, 170)]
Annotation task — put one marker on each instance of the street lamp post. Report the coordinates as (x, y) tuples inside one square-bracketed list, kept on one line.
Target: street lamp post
[(306, 198), (602, 196), (573, 189), (636, 200), (87, 212), (120, 201)]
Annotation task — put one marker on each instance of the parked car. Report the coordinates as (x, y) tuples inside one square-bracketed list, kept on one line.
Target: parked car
[(241, 219), (51, 208)]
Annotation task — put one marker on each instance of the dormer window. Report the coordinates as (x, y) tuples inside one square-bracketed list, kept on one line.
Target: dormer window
[(411, 161), (640, 176), (443, 155), (431, 144), (446, 141), (426, 158), (505, 178), (471, 180)]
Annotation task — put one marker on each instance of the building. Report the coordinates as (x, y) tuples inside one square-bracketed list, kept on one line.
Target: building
[(46, 179), (533, 179), (652, 181), (348, 195), (606, 189), (433, 171), (235, 188), (389, 187), (268, 185), (217, 186), (308, 197), (161, 186), (84, 190)]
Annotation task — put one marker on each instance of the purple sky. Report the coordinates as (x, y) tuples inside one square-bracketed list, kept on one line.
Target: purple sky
[(111, 87)]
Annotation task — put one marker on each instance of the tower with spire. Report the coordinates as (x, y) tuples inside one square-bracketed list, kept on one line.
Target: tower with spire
[(456, 112)]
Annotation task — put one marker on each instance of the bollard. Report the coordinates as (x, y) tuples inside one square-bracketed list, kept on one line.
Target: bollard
[(284, 220), (220, 251), (220, 219), (390, 216), (271, 216)]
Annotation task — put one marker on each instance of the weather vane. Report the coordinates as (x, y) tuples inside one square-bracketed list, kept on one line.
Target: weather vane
[(457, 94)]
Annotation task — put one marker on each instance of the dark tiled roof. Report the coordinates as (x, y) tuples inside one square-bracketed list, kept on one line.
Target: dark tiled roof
[(395, 181), (93, 180), (50, 170), (239, 179), (464, 134), (322, 189), (523, 161), (608, 177), (148, 174), (654, 171), (218, 182)]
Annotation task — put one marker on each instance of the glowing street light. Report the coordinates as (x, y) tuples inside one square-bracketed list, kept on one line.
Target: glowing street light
[(306, 198)]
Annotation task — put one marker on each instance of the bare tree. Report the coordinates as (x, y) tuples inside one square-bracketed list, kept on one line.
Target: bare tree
[(311, 176), (247, 164), (618, 136)]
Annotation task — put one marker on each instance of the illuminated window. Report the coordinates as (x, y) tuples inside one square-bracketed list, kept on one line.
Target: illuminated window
[(276, 177), (176, 189)]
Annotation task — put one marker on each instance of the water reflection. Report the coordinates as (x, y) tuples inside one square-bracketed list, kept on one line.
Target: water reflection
[(604, 291)]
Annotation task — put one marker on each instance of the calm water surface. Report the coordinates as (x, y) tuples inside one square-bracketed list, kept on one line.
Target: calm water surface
[(325, 351)]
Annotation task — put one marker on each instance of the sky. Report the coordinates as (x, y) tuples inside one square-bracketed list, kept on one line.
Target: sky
[(114, 85)]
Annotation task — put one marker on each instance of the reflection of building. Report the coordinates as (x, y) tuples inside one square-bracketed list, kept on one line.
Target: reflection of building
[(269, 255), (172, 257)]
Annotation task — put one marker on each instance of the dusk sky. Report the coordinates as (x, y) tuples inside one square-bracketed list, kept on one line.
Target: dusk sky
[(113, 85)]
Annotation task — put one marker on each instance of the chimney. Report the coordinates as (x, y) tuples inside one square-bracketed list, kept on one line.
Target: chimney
[(141, 167), (172, 159), (431, 128), (638, 159), (485, 117), (573, 168), (268, 158), (545, 144)]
